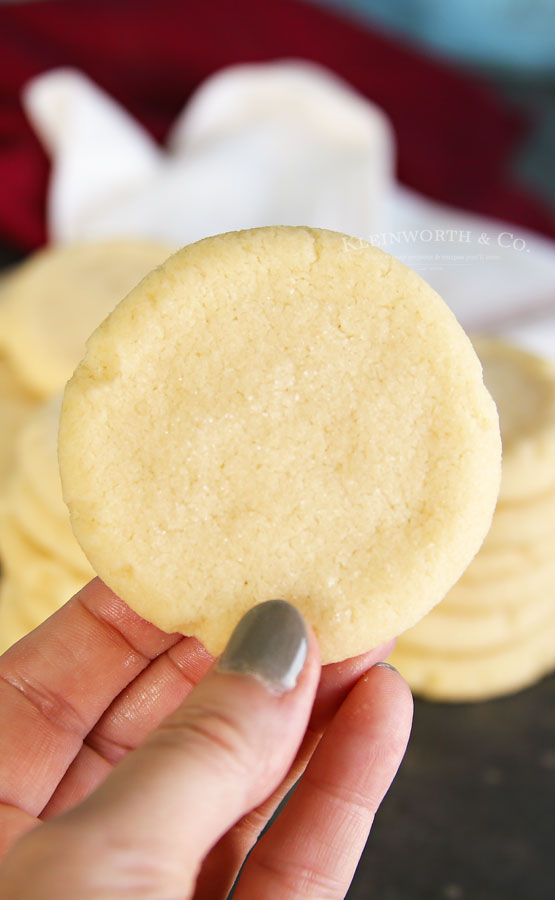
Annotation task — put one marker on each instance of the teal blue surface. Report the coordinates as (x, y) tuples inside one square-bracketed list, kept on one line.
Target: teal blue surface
[(516, 33)]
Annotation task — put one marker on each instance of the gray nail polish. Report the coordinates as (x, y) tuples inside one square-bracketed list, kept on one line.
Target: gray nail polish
[(384, 665), (270, 643)]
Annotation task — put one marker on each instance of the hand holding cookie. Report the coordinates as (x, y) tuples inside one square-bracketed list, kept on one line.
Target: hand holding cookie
[(276, 413), (204, 754)]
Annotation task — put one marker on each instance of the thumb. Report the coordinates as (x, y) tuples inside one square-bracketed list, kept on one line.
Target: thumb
[(220, 754)]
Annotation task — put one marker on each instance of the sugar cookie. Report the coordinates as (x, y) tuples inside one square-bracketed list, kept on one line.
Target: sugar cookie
[(36, 449), (53, 301), (48, 532), (281, 412), (33, 491), (479, 676), (41, 582), (13, 623), (523, 387), (509, 560), (16, 402), (447, 632), (471, 596), (524, 521)]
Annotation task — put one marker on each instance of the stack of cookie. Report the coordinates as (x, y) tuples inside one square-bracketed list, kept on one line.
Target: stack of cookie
[(48, 307), (43, 565), (51, 303), (495, 630), (16, 402)]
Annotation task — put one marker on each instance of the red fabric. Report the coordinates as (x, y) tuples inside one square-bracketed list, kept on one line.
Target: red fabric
[(455, 140)]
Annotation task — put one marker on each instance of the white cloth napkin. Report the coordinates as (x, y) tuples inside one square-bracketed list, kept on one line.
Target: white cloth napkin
[(281, 143)]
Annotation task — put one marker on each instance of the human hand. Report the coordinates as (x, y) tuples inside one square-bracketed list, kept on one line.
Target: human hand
[(145, 783)]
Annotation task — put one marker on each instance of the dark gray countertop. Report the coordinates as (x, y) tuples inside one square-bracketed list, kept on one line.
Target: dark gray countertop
[(471, 815)]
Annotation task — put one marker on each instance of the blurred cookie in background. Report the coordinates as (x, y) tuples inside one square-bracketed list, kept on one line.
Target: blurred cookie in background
[(494, 632), (14, 621), (468, 676), (523, 386), (54, 300), (49, 305), (32, 501), (16, 401), (42, 563), (35, 583)]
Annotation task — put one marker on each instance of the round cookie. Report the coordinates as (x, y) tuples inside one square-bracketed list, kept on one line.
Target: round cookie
[(52, 534), (281, 412), (16, 402), (479, 676), (457, 632), (527, 521), (33, 493), (54, 300), (13, 623), (523, 387), (533, 584), (39, 581), (36, 450), (509, 561)]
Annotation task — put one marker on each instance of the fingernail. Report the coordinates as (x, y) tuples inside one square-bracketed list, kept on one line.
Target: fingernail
[(384, 665), (270, 643)]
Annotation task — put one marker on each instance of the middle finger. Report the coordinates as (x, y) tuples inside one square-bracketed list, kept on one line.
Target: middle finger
[(224, 861)]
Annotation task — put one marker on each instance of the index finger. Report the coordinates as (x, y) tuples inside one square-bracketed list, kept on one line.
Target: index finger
[(56, 683)]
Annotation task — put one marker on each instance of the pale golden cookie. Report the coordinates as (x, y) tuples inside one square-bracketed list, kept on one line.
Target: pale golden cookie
[(13, 622), (509, 560), (534, 583), (523, 387), (39, 581), (53, 301), (280, 412), (36, 450), (506, 597), (479, 676), (33, 491), (445, 632), (52, 534), (16, 402), (529, 520)]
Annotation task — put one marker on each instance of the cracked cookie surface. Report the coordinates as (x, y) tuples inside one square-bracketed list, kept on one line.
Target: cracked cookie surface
[(281, 412)]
